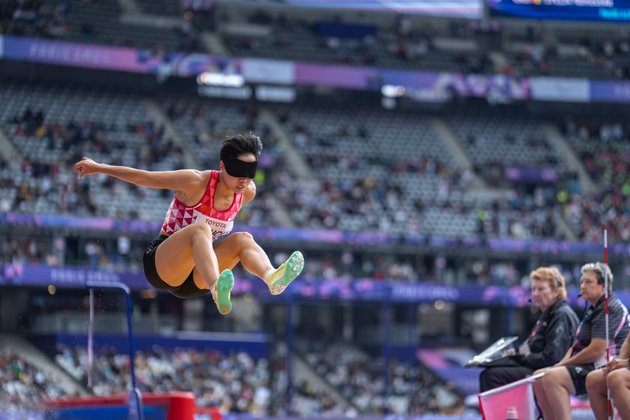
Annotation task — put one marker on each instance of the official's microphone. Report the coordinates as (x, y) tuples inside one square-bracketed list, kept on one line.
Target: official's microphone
[(579, 295), (530, 300)]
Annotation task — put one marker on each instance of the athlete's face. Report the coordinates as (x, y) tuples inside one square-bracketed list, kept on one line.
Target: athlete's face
[(234, 183)]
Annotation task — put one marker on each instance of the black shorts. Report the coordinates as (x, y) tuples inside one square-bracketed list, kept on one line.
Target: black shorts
[(187, 290), (578, 375)]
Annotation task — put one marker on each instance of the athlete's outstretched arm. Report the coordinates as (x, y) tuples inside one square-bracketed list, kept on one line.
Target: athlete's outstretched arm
[(180, 180)]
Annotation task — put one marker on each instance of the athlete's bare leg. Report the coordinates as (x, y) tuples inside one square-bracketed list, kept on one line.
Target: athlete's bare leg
[(241, 247), (187, 249), (190, 249)]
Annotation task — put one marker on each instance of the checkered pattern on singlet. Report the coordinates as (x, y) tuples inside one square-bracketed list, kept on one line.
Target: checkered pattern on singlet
[(180, 215)]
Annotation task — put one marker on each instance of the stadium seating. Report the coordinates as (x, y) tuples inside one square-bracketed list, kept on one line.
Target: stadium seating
[(24, 386), (602, 147), (260, 34), (54, 127), (93, 22)]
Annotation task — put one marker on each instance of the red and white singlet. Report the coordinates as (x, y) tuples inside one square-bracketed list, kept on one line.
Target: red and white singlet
[(180, 215)]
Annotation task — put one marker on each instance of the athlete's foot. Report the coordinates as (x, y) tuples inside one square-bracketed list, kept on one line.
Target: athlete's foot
[(280, 278), (221, 292)]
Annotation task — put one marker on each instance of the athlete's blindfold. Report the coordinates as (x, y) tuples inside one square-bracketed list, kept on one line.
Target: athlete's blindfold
[(240, 169)]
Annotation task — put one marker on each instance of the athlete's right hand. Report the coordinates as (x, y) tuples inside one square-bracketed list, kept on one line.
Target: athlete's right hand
[(85, 166)]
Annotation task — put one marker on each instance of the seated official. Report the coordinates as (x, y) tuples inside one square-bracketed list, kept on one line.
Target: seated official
[(568, 377), (616, 377), (548, 341)]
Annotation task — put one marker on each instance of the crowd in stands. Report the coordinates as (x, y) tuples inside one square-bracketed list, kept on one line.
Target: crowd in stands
[(43, 182), (51, 141), (27, 250), (540, 50), (349, 265), (410, 389), (334, 40), (94, 22), (23, 386), (401, 43), (34, 18), (414, 186), (78, 20), (602, 148), (238, 383), (354, 181)]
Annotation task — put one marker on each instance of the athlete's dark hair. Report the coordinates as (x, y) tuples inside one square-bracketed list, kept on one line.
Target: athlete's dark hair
[(240, 144)]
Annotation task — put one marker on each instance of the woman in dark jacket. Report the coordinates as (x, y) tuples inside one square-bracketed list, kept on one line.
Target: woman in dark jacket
[(548, 341)]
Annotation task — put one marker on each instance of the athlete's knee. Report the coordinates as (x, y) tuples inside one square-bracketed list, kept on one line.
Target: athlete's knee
[(201, 229), (243, 238)]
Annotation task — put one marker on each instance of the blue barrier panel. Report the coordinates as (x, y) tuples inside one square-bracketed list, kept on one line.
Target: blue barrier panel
[(104, 413)]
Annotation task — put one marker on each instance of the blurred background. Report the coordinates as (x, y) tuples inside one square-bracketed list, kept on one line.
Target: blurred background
[(424, 156)]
